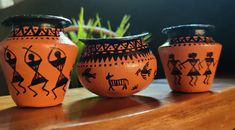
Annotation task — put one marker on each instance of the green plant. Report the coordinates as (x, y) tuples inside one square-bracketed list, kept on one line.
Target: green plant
[(82, 29)]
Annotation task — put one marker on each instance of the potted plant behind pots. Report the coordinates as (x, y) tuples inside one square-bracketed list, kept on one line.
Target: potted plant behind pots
[(130, 54)]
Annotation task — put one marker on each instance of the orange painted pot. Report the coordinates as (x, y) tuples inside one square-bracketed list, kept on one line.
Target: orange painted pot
[(116, 67), (190, 57), (37, 60)]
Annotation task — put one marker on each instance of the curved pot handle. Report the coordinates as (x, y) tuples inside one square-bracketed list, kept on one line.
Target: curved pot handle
[(88, 28)]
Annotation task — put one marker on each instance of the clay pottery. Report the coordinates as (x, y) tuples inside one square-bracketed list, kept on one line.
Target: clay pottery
[(116, 67), (37, 59), (190, 57)]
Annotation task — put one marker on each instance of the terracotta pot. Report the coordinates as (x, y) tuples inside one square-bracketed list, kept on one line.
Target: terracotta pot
[(116, 67), (37, 60), (190, 57)]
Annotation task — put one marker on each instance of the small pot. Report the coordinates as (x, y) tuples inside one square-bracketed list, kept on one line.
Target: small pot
[(116, 67), (37, 59), (190, 57)]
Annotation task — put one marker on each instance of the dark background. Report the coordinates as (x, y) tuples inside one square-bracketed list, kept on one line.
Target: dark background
[(146, 16)]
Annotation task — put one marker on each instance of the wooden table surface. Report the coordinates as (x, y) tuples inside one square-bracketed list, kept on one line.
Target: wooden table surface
[(153, 108)]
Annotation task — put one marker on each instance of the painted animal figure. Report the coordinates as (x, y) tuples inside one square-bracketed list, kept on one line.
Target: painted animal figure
[(145, 71), (134, 87), (116, 82), (87, 74)]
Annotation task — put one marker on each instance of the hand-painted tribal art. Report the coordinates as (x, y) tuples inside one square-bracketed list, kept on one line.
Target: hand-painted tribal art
[(104, 51), (192, 39), (35, 31)]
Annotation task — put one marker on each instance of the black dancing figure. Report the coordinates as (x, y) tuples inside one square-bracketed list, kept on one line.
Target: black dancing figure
[(58, 62), (176, 67), (193, 73), (33, 60), (10, 58), (209, 61)]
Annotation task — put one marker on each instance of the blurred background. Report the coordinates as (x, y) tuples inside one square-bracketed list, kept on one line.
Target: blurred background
[(146, 16)]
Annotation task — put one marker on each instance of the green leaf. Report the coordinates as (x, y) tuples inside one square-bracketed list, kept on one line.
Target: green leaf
[(147, 38), (124, 26), (109, 25), (81, 32), (74, 21), (99, 25), (73, 36), (90, 22)]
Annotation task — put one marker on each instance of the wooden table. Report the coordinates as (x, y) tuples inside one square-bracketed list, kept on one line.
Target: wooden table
[(154, 108)]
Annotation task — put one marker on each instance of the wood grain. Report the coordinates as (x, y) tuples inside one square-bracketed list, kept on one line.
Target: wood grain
[(154, 108)]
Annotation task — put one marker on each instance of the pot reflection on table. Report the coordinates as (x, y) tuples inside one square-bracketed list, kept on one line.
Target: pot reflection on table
[(89, 109), (31, 118), (180, 97), (94, 108)]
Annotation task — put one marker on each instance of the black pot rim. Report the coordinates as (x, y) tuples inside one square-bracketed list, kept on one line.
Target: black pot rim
[(187, 27), (51, 19), (114, 39)]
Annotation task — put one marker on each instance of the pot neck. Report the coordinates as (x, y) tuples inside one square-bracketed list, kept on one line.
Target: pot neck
[(35, 29), (191, 33), (36, 25)]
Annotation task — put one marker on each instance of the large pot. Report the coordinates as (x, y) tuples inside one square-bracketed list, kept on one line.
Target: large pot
[(116, 67), (37, 59), (190, 57)]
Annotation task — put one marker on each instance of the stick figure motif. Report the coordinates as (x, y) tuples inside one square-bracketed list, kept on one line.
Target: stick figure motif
[(209, 60), (193, 73), (175, 71), (10, 58), (33, 60), (58, 61)]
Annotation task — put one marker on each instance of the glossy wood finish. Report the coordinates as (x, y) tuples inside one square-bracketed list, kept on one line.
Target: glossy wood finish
[(154, 107)]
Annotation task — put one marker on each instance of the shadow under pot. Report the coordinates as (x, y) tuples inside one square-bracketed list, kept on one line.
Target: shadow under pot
[(37, 59), (190, 57), (116, 67)]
